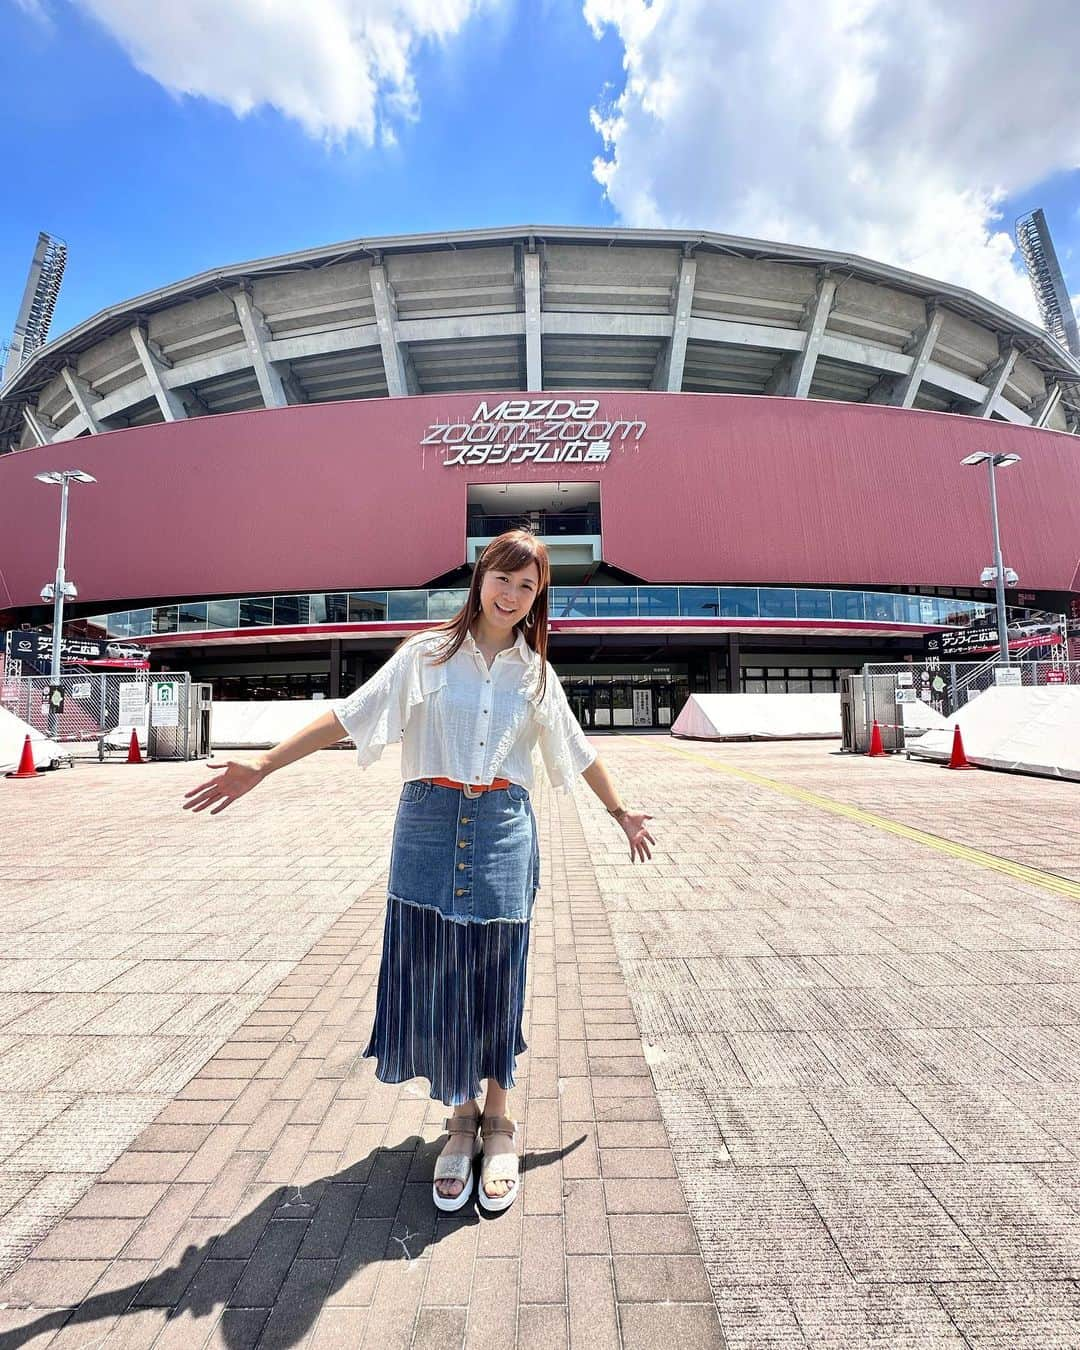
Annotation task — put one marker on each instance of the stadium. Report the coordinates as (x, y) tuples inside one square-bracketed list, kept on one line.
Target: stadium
[(744, 457)]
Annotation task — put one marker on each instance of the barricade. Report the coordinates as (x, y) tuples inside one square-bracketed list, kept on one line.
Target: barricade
[(101, 710)]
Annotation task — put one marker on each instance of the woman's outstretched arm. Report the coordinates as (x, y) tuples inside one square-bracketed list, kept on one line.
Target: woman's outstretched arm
[(237, 776), (632, 822)]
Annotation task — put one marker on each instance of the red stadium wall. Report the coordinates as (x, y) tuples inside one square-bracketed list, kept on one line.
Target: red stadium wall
[(716, 488)]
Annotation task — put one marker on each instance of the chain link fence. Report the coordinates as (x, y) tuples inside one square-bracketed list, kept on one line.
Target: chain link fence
[(170, 715), (948, 685)]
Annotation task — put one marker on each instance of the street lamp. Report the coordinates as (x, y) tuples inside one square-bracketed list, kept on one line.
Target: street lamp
[(997, 462), (60, 588)]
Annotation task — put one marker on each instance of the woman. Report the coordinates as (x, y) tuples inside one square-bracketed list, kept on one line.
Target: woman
[(470, 700)]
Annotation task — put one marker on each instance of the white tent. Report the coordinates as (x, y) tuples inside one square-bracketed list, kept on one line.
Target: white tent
[(13, 734), (1031, 730)]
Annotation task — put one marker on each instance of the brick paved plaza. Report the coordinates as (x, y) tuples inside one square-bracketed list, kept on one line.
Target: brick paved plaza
[(811, 1078)]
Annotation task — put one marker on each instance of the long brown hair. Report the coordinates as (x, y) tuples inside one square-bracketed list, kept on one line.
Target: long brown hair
[(509, 552)]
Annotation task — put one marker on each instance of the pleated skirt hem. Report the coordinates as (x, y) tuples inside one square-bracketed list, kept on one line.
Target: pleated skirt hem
[(449, 1002)]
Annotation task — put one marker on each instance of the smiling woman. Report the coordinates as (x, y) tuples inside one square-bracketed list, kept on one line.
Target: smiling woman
[(470, 700)]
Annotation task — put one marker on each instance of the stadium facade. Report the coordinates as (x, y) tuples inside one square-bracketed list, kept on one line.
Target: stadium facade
[(744, 458)]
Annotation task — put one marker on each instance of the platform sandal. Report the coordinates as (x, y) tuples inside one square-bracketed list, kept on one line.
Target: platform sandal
[(456, 1166), (500, 1166)]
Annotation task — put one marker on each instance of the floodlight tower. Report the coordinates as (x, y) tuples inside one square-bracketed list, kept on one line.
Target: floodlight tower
[(1047, 281), (38, 302)]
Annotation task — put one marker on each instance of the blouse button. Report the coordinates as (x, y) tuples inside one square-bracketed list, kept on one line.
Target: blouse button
[(461, 867), (464, 820), (460, 890), (481, 742), (463, 843)]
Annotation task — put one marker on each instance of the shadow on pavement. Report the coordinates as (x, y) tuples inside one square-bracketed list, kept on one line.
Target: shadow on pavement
[(279, 1263)]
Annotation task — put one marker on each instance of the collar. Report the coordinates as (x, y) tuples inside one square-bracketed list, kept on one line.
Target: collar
[(522, 649)]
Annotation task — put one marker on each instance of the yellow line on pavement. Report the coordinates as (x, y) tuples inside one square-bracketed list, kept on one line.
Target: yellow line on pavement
[(1034, 876)]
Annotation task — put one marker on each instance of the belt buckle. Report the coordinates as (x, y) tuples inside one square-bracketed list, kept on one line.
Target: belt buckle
[(471, 792)]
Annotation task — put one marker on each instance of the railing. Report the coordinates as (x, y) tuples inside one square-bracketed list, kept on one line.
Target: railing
[(572, 602), (541, 523)]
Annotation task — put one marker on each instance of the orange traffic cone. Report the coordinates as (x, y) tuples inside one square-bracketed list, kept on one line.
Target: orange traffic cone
[(958, 760), (133, 750), (26, 764), (876, 747)]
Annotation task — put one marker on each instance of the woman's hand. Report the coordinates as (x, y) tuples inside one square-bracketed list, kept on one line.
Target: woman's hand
[(238, 777), (633, 826)]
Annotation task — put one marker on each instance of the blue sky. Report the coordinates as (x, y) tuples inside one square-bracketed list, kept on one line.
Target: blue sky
[(148, 185)]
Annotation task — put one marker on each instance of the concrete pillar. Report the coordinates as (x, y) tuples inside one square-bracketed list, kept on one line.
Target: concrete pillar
[(335, 667), (734, 665), (534, 369)]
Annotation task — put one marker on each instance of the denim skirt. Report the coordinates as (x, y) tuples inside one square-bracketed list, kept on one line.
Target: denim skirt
[(464, 872)]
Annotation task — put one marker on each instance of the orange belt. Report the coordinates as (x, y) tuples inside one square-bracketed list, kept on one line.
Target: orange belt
[(471, 789)]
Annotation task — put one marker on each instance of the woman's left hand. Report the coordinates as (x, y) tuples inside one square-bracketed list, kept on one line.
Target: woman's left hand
[(633, 826)]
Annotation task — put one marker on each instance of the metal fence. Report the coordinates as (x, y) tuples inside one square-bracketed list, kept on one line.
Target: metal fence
[(101, 710), (948, 685)]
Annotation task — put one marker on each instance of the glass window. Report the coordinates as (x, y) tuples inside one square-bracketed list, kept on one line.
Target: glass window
[(753, 686), (615, 600), (798, 686), (328, 608), (798, 672), (699, 602), (777, 602), (814, 604), (164, 619), (119, 624), (822, 672), (738, 600), (192, 618), (445, 604), (254, 613), (658, 601), (367, 606), (408, 604), (849, 605), (139, 623), (776, 673), (572, 602), (223, 614), (291, 609)]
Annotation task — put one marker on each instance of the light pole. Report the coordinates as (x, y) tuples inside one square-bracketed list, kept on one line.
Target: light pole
[(997, 462), (60, 588)]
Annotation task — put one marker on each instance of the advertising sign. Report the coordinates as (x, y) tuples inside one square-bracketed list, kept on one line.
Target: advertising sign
[(1057, 677), (1007, 675), (962, 644), (906, 696)]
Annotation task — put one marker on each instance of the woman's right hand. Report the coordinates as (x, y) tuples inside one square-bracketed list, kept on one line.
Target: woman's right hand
[(239, 776)]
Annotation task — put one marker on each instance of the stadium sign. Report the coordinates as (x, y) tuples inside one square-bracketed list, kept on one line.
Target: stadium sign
[(533, 431)]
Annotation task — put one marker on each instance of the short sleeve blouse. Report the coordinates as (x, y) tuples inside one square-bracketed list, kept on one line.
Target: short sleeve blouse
[(464, 720)]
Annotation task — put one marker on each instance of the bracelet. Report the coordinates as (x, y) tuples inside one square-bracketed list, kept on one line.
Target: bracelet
[(618, 812)]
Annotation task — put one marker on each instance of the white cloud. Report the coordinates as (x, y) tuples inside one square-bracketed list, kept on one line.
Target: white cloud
[(893, 131), (340, 68)]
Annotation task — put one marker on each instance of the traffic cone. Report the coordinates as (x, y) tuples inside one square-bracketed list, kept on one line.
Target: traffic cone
[(26, 764), (876, 747), (133, 750), (958, 760)]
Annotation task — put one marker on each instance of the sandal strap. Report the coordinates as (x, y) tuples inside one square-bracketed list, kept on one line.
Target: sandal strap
[(453, 1167), (460, 1124), (497, 1125), (502, 1167)]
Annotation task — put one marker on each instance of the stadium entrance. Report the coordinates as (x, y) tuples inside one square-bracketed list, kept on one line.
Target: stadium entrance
[(609, 701)]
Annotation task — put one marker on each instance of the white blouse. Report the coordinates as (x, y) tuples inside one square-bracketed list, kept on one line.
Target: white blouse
[(464, 721)]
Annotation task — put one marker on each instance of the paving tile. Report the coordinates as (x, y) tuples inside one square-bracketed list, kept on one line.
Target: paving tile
[(591, 1301)]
